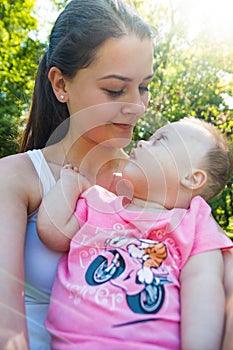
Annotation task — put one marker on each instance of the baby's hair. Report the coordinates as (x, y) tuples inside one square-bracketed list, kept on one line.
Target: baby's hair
[(218, 160)]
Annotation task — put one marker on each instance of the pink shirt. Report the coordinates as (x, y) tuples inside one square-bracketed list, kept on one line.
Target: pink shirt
[(118, 287)]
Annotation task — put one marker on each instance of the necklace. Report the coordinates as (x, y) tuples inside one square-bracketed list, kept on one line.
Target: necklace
[(63, 160), (138, 202), (64, 154)]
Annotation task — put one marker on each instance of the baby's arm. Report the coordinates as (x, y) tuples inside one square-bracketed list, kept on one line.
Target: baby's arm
[(202, 302), (228, 282), (56, 222)]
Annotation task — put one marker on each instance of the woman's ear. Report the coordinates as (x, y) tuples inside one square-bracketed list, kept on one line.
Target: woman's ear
[(58, 84), (195, 180)]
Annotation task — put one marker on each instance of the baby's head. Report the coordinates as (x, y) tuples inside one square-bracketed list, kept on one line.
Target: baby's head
[(217, 161), (180, 160)]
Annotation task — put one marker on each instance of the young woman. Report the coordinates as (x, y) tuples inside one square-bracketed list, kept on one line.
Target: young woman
[(100, 53)]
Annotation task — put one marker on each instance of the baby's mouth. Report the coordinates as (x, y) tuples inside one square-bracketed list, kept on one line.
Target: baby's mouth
[(132, 154)]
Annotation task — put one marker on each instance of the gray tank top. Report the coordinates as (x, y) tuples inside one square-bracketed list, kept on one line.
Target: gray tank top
[(40, 265)]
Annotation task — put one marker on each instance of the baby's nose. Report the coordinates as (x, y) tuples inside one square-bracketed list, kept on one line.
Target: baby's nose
[(142, 143)]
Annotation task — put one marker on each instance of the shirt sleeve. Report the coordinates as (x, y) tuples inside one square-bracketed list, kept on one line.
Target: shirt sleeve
[(90, 200), (81, 211), (208, 234)]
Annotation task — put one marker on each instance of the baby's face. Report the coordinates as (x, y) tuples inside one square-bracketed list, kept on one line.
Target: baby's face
[(156, 166)]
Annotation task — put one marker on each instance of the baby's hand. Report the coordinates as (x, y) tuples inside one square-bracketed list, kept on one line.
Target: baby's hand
[(69, 167), (71, 173)]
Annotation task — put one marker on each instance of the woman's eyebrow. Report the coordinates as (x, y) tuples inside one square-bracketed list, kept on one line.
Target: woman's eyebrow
[(120, 77), (115, 76)]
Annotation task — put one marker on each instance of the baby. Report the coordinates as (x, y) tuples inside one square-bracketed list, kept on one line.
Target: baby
[(143, 272)]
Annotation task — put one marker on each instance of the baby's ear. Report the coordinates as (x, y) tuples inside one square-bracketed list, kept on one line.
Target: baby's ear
[(195, 180)]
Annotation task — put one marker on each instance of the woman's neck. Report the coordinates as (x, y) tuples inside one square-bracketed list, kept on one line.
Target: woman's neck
[(97, 162)]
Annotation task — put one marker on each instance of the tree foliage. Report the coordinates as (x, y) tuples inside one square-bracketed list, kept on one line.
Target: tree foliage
[(193, 76), (18, 63)]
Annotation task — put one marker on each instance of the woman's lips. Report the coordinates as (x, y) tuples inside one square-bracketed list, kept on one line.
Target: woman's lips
[(123, 126)]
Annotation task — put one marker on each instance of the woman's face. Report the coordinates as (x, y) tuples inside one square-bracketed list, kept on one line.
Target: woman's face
[(107, 98)]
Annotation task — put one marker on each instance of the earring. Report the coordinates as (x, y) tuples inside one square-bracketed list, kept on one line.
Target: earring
[(62, 97)]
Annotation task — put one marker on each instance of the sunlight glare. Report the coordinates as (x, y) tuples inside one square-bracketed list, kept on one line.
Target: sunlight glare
[(46, 14), (215, 16)]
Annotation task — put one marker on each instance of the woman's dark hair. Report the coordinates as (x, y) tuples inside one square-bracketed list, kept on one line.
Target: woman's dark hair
[(78, 32)]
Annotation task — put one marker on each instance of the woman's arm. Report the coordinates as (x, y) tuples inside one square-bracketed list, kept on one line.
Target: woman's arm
[(14, 206), (228, 282), (202, 302), (56, 222)]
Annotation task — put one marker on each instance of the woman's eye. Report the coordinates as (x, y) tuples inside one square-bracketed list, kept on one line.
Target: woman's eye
[(143, 89), (114, 92)]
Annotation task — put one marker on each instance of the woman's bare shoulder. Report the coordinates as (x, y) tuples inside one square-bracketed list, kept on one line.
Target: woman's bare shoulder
[(16, 165), (14, 159), (18, 177)]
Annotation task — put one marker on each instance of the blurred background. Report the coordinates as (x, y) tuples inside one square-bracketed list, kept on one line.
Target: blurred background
[(193, 65)]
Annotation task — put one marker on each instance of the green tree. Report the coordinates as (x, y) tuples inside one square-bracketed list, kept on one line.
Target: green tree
[(19, 56), (192, 77)]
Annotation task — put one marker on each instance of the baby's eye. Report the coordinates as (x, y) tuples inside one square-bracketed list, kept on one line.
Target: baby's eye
[(157, 138), (160, 137)]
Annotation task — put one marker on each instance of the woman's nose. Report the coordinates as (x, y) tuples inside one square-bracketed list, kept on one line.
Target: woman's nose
[(136, 109)]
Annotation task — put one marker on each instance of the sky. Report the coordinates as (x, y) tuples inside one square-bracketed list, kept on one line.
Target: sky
[(46, 13), (216, 14)]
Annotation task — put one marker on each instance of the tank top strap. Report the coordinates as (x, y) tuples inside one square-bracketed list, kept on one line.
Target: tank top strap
[(43, 170)]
